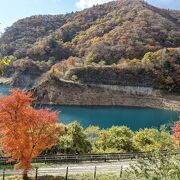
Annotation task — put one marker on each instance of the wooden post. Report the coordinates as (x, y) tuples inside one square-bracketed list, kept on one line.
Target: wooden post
[(36, 177), (105, 158), (77, 157), (119, 157), (67, 173), (121, 171), (95, 172), (4, 173), (25, 175)]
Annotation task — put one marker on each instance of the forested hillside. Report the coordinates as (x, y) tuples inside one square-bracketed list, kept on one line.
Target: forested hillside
[(109, 34)]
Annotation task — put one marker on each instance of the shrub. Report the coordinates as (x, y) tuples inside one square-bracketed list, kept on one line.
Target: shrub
[(74, 140), (74, 78), (157, 166), (116, 138), (151, 139)]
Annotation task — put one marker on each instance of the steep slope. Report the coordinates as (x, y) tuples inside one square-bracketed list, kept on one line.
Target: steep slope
[(153, 81), (157, 70), (129, 31), (24, 33)]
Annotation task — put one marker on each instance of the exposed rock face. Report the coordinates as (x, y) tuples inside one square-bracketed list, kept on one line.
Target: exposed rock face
[(55, 91), (132, 84), (26, 73)]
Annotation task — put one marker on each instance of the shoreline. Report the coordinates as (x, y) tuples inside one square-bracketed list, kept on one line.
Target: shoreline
[(110, 97), (74, 94), (122, 106)]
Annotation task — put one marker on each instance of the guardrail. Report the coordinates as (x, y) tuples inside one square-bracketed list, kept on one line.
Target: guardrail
[(82, 158), (64, 171)]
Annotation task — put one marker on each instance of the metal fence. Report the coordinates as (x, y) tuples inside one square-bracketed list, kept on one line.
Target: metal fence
[(66, 171), (81, 158)]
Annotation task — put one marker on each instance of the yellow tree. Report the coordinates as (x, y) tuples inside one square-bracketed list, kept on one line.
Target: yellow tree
[(5, 62)]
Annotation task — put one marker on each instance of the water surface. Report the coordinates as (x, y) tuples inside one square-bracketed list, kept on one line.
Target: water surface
[(107, 116)]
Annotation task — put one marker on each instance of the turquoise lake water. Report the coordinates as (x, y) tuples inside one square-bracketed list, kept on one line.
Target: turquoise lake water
[(107, 116)]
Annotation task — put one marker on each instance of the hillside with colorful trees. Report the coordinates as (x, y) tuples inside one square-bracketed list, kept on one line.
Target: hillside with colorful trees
[(129, 33)]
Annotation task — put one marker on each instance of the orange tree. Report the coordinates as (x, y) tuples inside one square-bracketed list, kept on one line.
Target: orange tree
[(26, 132), (176, 133)]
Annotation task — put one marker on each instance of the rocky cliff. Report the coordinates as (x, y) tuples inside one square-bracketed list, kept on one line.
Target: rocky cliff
[(56, 91), (150, 82)]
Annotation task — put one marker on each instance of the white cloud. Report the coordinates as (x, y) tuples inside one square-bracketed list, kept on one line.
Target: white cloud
[(81, 4), (174, 4)]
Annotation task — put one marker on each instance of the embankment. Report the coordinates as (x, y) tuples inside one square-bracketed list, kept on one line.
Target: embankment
[(55, 91)]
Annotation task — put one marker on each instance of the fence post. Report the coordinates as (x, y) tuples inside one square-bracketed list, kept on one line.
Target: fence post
[(36, 177), (67, 173), (121, 171), (4, 173), (95, 172), (77, 158)]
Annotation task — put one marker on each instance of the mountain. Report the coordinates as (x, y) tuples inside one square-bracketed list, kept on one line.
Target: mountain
[(94, 45), (124, 28)]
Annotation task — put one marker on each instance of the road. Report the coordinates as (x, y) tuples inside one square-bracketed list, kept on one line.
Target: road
[(56, 169)]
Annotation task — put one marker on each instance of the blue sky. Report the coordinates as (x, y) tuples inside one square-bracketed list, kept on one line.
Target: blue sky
[(12, 10)]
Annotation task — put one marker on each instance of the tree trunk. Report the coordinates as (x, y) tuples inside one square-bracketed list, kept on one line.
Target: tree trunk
[(25, 175)]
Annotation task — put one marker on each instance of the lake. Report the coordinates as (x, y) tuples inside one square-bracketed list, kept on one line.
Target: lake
[(107, 116)]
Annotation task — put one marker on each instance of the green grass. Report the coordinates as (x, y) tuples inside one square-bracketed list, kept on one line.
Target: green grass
[(71, 176), (80, 176)]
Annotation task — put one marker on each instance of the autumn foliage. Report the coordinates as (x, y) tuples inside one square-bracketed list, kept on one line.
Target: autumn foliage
[(26, 132), (176, 133)]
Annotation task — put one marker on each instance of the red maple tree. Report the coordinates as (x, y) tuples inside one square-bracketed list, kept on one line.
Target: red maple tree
[(26, 132), (176, 133)]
